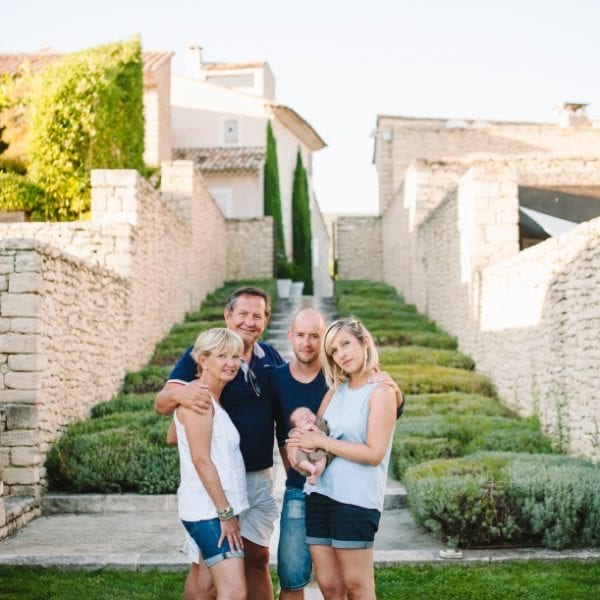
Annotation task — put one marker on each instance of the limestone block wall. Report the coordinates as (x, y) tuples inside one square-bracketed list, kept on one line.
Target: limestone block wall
[(63, 348), (82, 303), (528, 318), (359, 252), (539, 326), (249, 244)]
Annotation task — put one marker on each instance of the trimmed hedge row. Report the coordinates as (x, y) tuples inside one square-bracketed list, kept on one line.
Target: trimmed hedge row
[(431, 379), (416, 355), (388, 318), (508, 498), (419, 439), (116, 453)]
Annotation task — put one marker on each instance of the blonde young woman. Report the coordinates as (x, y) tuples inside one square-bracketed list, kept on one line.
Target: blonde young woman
[(343, 508), (212, 492)]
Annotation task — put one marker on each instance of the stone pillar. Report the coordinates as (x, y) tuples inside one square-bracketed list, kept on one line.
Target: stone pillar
[(22, 365), (115, 196), (177, 185), (488, 217)]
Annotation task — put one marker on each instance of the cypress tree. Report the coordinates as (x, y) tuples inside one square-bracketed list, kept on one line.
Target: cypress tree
[(272, 195), (301, 230)]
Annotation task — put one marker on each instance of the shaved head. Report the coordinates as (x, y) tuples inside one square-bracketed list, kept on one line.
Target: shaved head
[(305, 335), (308, 317)]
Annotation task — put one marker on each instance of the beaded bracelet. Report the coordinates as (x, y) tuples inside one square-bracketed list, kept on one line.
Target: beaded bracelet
[(226, 514)]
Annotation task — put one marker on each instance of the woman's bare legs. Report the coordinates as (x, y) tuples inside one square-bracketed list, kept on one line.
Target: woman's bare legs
[(229, 579), (358, 572), (328, 572)]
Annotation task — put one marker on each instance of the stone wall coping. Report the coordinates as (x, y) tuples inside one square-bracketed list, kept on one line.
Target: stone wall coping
[(20, 244)]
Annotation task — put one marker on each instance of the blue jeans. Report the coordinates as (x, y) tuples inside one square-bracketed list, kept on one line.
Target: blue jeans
[(206, 534), (293, 557)]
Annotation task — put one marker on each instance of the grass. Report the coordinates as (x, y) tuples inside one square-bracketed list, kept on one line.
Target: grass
[(533, 580)]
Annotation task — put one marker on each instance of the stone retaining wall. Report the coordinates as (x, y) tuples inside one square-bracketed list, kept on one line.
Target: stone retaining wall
[(82, 303)]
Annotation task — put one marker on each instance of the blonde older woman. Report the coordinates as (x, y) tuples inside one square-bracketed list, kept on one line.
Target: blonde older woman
[(212, 492), (344, 507)]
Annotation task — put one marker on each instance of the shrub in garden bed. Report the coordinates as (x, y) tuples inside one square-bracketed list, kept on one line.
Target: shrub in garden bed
[(121, 452), (418, 355), (492, 498), (453, 403), (386, 310), (220, 296), (418, 439), (431, 379), (206, 313), (415, 338), (125, 403), (148, 379), (365, 287)]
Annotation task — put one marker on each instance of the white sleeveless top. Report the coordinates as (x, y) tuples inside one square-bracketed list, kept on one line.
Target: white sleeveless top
[(344, 480), (193, 501)]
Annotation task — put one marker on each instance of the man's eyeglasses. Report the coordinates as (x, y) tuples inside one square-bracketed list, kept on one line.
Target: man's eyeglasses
[(250, 377)]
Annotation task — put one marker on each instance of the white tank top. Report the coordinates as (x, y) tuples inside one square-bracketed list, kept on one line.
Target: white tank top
[(193, 501)]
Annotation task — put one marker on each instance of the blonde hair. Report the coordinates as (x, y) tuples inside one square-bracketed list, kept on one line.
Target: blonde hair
[(334, 374), (217, 339)]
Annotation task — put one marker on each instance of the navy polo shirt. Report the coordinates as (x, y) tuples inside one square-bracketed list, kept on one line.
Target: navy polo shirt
[(289, 395), (254, 416)]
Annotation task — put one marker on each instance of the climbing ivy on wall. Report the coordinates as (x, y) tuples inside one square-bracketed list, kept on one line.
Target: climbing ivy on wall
[(301, 230), (86, 113), (272, 197)]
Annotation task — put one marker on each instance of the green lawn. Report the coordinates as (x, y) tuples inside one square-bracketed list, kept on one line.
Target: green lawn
[(565, 580)]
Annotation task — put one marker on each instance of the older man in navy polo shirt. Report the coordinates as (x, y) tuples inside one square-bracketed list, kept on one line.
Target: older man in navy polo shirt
[(250, 403)]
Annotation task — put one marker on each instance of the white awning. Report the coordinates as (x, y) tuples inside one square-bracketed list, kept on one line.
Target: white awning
[(551, 225)]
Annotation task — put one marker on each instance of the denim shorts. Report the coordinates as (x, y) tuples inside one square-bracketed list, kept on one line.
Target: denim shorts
[(293, 556), (206, 534), (257, 521), (344, 526)]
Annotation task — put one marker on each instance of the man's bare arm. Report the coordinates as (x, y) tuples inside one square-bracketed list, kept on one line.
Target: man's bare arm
[(193, 395)]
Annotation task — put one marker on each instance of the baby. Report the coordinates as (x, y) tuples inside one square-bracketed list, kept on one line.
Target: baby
[(311, 463)]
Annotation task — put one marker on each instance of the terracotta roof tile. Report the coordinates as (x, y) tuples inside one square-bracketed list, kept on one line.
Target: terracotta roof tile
[(10, 63), (220, 160)]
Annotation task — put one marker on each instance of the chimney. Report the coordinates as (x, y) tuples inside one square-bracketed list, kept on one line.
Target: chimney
[(572, 114), (194, 62)]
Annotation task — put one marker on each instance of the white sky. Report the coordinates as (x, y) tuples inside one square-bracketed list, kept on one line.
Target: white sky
[(339, 63)]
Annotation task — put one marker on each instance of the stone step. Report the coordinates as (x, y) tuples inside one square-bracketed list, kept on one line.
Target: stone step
[(56, 503)]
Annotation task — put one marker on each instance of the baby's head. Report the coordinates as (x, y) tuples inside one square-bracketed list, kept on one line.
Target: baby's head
[(302, 417)]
